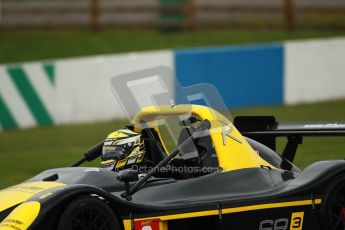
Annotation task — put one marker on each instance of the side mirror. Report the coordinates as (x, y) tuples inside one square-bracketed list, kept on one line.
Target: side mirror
[(127, 176)]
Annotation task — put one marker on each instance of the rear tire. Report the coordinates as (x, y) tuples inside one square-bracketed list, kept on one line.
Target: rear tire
[(88, 213), (333, 206)]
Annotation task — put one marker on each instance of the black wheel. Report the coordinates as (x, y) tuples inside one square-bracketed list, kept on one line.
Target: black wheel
[(88, 213), (333, 208)]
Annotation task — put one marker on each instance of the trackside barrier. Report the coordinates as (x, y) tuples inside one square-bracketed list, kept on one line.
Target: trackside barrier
[(77, 90)]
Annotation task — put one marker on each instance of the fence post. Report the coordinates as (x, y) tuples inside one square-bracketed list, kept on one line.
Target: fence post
[(289, 14), (94, 14), (191, 14)]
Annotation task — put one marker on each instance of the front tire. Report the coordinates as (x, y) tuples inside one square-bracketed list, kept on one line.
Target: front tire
[(88, 213), (333, 208)]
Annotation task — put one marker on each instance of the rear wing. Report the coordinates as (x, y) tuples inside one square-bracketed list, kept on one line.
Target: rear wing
[(265, 129)]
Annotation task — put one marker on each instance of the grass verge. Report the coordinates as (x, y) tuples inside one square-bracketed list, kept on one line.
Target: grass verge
[(25, 153), (27, 45)]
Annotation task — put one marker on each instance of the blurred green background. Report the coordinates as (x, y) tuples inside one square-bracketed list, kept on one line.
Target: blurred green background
[(26, 153), (34, 30), (27, 45)]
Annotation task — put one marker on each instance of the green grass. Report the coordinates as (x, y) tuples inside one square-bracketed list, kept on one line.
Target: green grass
[(26, 153), (25, 45)]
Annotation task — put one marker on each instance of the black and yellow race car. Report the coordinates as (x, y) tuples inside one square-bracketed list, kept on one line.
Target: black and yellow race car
[(238, 181)]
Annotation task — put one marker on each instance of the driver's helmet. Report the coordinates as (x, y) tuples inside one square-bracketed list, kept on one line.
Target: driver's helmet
[(122, 149)]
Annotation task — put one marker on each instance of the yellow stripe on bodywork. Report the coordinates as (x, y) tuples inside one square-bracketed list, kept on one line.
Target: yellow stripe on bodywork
[(127, 223), (19, 193), (21, 217), (272, 205)]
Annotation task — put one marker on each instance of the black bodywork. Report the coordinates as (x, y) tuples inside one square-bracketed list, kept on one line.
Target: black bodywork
[(251, 190), (169, 196)]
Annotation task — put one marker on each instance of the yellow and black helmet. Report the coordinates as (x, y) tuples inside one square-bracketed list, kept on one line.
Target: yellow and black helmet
[(122, 149)]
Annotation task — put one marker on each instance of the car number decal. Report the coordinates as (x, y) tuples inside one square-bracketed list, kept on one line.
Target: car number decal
[(297, 221), (283, 223)]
